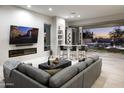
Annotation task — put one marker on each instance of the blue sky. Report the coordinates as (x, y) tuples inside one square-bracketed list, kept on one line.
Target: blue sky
[(24, 29), (103, 32)]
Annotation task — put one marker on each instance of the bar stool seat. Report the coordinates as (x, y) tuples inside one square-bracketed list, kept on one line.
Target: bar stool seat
[(73, 52), (82, 52), (63, 51)]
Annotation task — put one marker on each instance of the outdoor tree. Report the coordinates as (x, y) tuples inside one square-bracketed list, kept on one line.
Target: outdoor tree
[(116, 34)]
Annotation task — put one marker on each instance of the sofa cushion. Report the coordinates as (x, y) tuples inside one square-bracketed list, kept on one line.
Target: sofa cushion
[(36, 74), (21, 68), (62, 77), (80, 66), (94, 57), (89, 61)]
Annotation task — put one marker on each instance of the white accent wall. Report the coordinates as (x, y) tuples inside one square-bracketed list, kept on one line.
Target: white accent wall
[(57, 21), (12, 15)]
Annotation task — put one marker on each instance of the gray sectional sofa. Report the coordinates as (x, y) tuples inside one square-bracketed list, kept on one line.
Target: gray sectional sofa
[(79, 75)]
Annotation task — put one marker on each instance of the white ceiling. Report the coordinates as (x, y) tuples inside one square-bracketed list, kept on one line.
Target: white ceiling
[(85, 11)]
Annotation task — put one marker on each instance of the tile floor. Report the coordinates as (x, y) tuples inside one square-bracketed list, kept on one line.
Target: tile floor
[(112, 75)]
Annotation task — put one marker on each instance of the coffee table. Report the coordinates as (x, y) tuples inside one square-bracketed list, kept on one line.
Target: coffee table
[(61, 64)]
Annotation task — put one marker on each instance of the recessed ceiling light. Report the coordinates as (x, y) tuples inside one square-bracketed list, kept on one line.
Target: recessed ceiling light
[(29, 6), (66, 17), (78, 16), (72, 16), (50, 9)]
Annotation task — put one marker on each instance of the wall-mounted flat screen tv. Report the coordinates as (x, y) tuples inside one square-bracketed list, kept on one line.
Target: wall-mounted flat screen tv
[(23, 35)]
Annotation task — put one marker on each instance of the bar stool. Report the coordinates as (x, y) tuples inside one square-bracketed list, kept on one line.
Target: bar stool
[(63, 51), (73, 52), (82, 52)]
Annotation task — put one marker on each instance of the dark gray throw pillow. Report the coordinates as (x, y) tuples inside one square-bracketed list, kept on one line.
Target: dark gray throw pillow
[(95, 57), (53, 71), (80, 66), (88, 61)]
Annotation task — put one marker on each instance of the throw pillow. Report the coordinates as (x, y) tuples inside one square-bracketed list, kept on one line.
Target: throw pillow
[(53, 71)]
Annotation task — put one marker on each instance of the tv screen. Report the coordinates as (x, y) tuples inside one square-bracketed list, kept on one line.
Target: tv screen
[(23, 35)]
